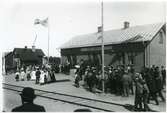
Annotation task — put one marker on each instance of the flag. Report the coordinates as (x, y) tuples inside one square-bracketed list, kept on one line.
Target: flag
[(99, 32), (37, 21), (100, 29), (42, 22)]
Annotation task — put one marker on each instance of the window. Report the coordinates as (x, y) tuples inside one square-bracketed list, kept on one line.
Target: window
[(131, 58), (161, 37)]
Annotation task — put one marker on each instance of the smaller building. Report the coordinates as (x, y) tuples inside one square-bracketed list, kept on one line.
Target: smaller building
[(52, 60), (23, 56)]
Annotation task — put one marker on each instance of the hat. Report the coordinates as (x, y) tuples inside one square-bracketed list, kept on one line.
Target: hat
[(77, 66), (28, 94)]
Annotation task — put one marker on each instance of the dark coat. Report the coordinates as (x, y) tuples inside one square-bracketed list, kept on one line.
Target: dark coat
[(150, 80), (152, 85), (29, 107), (139, 88), (163, 72), (38, 74), (126, 79), (158, 81)]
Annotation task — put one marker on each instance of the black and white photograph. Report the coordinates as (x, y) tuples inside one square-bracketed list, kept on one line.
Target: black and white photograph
[(83, 55)]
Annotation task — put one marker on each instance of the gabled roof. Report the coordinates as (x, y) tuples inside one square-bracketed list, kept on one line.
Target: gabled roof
[(26, 54), (131, 34), (7, 54)]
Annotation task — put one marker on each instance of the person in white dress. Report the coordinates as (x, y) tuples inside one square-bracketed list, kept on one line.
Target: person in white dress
[(28, 71), (48, 76), (22, 75), (33, 77), (42, 76)]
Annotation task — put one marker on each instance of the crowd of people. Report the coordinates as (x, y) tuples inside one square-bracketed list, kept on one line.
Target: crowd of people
[(123, 80), (40, 74)]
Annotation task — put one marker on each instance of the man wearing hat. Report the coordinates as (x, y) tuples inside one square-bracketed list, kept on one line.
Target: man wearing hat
[(27, 97), (126, 82), (77, 77), (138, 92), (38, 73)]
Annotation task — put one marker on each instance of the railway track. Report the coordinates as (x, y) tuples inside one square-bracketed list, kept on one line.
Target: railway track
[(66, 98)]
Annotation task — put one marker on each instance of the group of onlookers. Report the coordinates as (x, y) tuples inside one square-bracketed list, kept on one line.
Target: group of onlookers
[(120, 80), (65, 68), (41, 75), (123, 80)]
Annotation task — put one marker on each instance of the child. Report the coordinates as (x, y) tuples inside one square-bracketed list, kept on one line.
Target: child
[(22, 75), (17, 76), (28, 75), (42, 76)]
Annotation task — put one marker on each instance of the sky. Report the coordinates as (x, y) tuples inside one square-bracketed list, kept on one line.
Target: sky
[(68, 19)]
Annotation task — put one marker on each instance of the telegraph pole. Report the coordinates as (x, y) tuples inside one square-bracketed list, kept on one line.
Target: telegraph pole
[(102, 47)]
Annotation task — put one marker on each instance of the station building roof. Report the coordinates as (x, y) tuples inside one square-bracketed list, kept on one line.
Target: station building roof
[(132, 34), (26, 54)]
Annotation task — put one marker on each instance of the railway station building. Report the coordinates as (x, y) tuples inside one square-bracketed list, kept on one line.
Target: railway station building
[(140, 46), (23, 56)]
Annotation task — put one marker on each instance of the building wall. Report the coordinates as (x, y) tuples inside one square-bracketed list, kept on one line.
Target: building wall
[(10, 63), (112, 59), (138, 61), (63, 59), (157, 50), (107, 59), (84, 57), (114, 55)]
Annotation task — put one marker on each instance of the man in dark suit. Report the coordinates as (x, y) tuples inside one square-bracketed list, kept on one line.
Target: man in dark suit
[(38, 73), (27, 97), (163, 73)]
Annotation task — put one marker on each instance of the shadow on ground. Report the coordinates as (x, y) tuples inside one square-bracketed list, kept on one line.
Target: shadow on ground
[(131, 108), (57, 81)]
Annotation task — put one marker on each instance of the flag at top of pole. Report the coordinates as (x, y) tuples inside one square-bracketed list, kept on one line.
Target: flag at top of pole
[(99, 33), (42, 22), (100, 29)]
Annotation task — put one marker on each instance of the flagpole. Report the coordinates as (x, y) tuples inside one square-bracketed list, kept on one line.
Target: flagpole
[(48, 38), (102, 46), (44, 23)]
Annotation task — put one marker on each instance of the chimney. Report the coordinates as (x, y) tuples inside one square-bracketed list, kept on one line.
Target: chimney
[(33, 48), (126, 24), (25, 47)]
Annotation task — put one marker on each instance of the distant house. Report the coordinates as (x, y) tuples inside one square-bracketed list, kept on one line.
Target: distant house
[(52, 60), (142, 45), (23, 56)]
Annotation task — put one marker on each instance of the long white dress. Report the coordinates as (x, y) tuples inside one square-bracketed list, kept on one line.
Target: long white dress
[(42, 77), (22, 75), (33, 77), (48, 76)]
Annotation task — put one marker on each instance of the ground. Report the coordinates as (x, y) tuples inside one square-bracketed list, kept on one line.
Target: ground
[(65, 85)]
